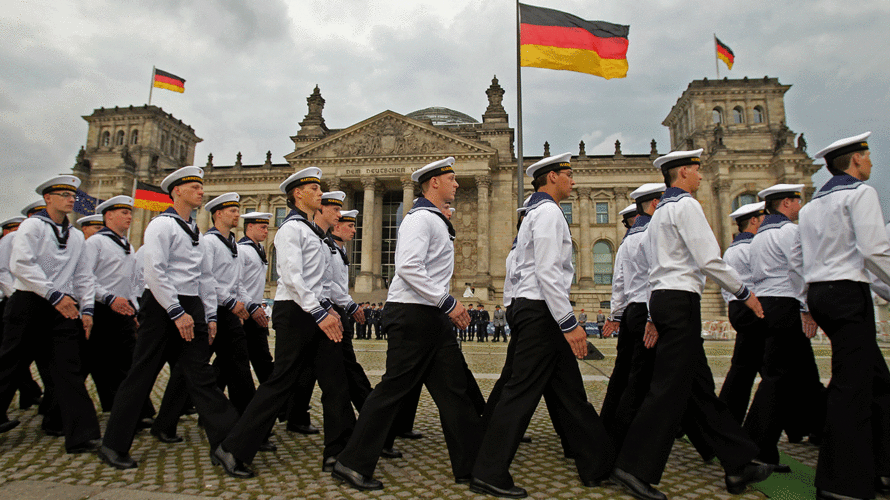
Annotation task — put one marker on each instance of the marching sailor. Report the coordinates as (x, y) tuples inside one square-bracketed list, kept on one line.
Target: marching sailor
[(91, 224), (254, 265)]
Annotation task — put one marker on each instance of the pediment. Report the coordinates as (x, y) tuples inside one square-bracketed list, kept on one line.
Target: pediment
[(390, 134)]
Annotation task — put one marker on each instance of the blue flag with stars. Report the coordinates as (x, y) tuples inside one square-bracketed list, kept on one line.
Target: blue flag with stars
[(86, 204)]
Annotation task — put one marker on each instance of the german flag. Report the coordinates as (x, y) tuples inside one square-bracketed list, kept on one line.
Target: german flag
[(151, 197), (724, 53), (556, 40), (169, 81)]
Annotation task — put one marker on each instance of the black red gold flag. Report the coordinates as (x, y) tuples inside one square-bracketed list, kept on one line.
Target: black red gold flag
[(169, 81), (724, 53)]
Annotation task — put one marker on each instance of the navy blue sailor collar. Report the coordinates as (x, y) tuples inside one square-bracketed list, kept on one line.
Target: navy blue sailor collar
[(741, 238), (671, 195), (256, 246), (640, 224), (61, 231), (229, 242), (773, 221), (119, 240), (537, 199), (189, 226), (838, 183), (424, 204)]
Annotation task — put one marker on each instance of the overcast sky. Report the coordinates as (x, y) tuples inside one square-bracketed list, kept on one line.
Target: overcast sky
[(249, 66)]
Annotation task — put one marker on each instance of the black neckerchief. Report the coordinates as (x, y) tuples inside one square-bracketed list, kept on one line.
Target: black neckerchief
[(298, 215), (256, 246), (425, 204), (61, 235), (341, 251), (117, 239), (193, 234), (228, 242)]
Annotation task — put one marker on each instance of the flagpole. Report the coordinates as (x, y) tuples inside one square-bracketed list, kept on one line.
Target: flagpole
[(135, 180), (519, 179), (152, 86), (716, 57)]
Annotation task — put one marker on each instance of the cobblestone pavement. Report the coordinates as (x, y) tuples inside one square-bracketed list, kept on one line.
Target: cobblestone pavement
[(28, 457)]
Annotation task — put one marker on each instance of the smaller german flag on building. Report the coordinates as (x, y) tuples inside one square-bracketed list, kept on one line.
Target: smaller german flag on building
[(556, 40), (724, 53), (169, 81), (151, 197)]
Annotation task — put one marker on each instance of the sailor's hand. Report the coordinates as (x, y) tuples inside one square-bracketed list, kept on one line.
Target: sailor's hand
[(577, 339), (650, 337), (359, 316), (332, 327), (754, 304), (186, 326), (610, 328), (87, 324), (67, 307), (122, 306), (809, 324), (459, 316), (260, 317), (240, 311)]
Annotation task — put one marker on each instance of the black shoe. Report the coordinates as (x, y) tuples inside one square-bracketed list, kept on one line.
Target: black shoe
[(165, 437), (794, 438), (327, 465), (390, 453), (268, 446), (53, 432), (145, 423), (525, 439), (412, 434), (480, 486), (232, 465), (189, 410), (463, 479), (752, 473), (882, 484), (780, 468), (355, 479), (303, 429), (115, 459), (827, 495), (637, 488), (85, 447), (8, 425), (593, 483)]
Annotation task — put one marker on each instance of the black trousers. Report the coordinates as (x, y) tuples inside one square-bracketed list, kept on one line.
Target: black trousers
[(498, 333), (257, 338), (856, 443), (682, 386), (542, 361), (620, 374), (639, 377), (421, 348), (747, 357), (359, 385), (34, 329), (298, 343), (482, 331), (28, 388), (157, 342)]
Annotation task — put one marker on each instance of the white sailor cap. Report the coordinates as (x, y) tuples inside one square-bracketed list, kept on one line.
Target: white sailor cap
[(59, 183), (629, 211), (780, 191), (91, 220), (306, 176), (433, 169), (33, 207), (452, 209), (648, 191), (745, 212), (223, 201), (333, 198), (678, 159), (549, 164), (115, 203), (843, 146), (12, 222), (256, 218), (524, 206), (348, 216), (182, 176)]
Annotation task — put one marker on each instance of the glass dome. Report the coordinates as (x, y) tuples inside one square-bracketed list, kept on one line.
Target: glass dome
[(441, 116)]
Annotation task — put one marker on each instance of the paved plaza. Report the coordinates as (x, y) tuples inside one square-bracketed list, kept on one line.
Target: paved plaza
[(36, 466)]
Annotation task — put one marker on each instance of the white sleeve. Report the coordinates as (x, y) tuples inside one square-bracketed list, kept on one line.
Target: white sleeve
[(794, 254), (548, 232), (410, 253), (702, 245), (289, 248), (157, 242), (207, 287), (6, 279), (871, 237), (92, 256), (85, 279), (619, 295), (23, 263)]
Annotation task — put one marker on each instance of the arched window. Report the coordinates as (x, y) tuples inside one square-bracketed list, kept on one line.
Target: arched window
[(575, 263), (119, 140), (182, 151), (743, 199), (738, 116), (602, 263), (717, 116), (134, 137), (758, 114), (106, 138)]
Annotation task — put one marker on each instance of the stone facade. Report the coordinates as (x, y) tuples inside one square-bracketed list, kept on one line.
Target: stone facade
[(739, 123)]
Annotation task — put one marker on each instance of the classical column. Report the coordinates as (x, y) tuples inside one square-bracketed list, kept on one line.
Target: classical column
[(407, 195), (333, 183), (364, 282), (264, 203), (724, 205), (483, 278), (205, 221), (585, 262), (378, 239)]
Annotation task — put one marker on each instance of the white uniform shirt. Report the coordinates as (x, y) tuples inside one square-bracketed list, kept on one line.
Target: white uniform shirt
[(138, 272), (174, 266), (302, 258), (634, 267), (683, 250), (738, 256), (508, 285), (226, 266), (776, 260), (337, 279), (543, 269), (49, 266), (6, 278), (113, 265), (842, 233), (618, 301), (424, 259), (253, 272)]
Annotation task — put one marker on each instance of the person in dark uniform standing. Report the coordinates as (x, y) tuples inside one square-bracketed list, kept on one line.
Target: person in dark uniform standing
[(842, 237), (747, 355), (174, 324), (365, 329), (421, 346), (50, 314), (254, 265), (482, 324), (682, 250), (547, 339), (474, 319)]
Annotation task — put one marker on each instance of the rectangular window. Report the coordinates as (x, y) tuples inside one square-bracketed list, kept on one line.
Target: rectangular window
[(602, 213), (566, 211), (280, 215)]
